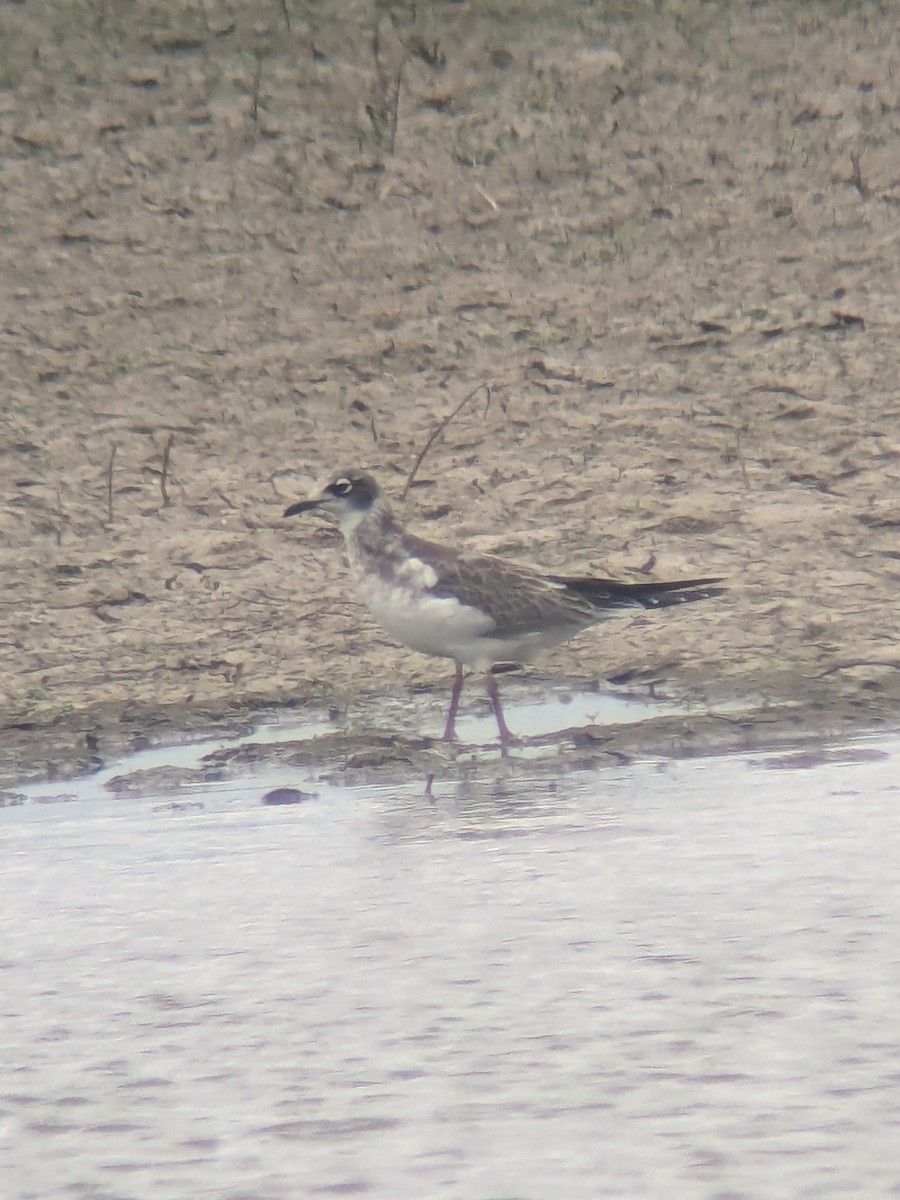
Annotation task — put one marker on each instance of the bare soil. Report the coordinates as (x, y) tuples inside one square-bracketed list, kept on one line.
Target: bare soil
[(244, 243)]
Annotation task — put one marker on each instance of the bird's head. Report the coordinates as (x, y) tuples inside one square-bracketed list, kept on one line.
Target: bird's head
[(345, 498)]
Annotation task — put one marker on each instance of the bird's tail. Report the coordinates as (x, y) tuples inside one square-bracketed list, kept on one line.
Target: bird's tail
[(610, 593)]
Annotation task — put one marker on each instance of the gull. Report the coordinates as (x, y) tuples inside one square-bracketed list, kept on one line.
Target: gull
[(480, 610)]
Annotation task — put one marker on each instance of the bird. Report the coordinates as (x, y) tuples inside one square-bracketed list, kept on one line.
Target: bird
[(481, 610)]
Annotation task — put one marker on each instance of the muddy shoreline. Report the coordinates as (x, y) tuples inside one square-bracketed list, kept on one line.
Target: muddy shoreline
[(381, 739), (665, 242)]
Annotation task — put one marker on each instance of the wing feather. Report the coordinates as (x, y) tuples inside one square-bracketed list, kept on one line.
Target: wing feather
[(517, 599)]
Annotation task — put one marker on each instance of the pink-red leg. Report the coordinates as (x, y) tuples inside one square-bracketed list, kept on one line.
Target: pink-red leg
[(450, 727), (490, 683)]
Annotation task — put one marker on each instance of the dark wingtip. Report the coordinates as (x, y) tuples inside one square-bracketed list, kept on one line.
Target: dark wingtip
[(606, 594), (692, 589), (685, 584)]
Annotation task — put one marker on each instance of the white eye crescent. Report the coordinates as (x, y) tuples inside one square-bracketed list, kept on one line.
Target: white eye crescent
[(343, 486)]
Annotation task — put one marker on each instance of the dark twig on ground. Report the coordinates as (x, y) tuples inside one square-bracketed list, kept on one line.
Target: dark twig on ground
[(109, 482), (384, 109), (164, 472), (256, 84), (856, 175), (439, 429)]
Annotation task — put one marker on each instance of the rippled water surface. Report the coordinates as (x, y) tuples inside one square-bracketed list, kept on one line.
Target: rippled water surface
[(669, 980)]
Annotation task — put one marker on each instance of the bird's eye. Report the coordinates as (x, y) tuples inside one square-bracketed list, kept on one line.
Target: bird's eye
[(341, 487)]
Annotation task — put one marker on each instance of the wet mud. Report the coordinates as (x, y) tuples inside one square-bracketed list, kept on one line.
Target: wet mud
[(237, 255)]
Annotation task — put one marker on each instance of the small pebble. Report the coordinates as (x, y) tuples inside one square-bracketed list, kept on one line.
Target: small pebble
[(286, 795)]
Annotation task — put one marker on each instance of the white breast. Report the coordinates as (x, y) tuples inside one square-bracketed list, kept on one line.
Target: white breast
[(430, 624), (444, 627)]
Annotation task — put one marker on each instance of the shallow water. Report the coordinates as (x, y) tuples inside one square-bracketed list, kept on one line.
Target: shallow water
[(157, 765), (671, 979)]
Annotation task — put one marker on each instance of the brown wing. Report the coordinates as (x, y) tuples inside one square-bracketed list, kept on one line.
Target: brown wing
[(520, 600), (517, 599)]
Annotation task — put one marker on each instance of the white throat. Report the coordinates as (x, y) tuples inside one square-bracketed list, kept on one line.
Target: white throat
[(348, 521)]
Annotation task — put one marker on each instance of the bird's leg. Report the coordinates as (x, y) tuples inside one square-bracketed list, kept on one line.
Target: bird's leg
[(450, 727), (490, 684)]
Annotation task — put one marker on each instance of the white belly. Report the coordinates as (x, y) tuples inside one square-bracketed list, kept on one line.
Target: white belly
[(444, 627), (429, 624)]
